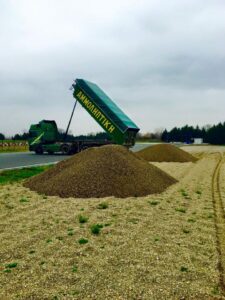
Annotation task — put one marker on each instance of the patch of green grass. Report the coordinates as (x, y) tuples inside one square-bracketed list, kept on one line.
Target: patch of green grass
[(107, 224), (49, 241), (74, 293), (11, 265), (185, 194), (181, 209), (156, 239), (103, 205), (24, 200), (10, 176), (82, 219), (7, 271), (190, 220), (210, 216), (96, 228), (183, 269), (82, 241), (74, 269), (198, 192), (153, 202)]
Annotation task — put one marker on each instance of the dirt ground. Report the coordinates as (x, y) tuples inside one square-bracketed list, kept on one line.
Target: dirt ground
[(166, 246)]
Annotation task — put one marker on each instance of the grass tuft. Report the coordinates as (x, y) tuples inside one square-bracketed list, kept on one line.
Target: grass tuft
[(181, 209), (96, 228), (7, 271), (74, 269), (11, 265), (198, 192), (183, 269), (24, 200), (154, 202), (191, 220), (103, 205), (82, 241), (82, 219)]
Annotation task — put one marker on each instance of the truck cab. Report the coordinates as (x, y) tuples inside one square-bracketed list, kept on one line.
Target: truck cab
[(43, 133)]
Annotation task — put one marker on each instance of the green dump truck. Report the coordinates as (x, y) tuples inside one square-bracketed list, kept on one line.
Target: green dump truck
[(44, 136)]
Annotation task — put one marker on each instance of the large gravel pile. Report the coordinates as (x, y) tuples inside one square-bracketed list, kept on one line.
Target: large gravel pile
[(165, 152), (110, 170)]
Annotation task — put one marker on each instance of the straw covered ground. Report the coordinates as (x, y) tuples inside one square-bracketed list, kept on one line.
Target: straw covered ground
[(163, 246)]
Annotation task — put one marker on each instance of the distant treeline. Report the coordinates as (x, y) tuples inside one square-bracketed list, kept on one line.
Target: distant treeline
[(70, 137), (210, 134)]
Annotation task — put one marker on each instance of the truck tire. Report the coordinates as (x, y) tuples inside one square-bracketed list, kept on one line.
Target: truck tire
[(39, 150), (65, 149), (84, 148)]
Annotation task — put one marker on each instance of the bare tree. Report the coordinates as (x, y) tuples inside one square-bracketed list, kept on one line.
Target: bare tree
[(158, 132)]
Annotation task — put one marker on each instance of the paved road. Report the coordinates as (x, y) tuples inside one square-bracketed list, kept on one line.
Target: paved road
[(24, 159)]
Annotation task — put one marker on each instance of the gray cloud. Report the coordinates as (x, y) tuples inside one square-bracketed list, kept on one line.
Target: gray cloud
[(163, 62)]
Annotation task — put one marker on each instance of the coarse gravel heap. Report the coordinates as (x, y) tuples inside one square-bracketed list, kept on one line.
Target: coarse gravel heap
[(165, 153), (110, 170)]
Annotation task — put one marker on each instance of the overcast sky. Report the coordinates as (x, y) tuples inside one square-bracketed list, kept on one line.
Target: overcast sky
[(162, 62)]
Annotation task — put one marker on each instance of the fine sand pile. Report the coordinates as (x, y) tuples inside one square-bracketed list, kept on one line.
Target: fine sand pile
[(110, 170), (167, 153)]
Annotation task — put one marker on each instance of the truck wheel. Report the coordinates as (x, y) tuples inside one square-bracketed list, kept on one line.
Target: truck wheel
[(84, 148), (65, 149), (39, 150)]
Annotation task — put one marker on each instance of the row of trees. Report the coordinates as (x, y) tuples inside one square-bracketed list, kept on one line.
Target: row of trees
[(70, 137), (210, 134), (17, 137)]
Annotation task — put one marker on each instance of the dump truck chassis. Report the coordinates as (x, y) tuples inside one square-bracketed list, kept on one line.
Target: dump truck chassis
[(67, 148)]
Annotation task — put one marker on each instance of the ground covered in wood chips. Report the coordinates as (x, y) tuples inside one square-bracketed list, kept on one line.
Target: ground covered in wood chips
[(110, 170), (156, 247), (165, 153)]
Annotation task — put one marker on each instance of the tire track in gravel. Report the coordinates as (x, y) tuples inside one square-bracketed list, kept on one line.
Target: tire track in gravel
[(219, 219)]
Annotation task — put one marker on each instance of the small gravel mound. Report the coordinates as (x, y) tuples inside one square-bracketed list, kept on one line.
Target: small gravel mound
[(110, 170), (165, 152)]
